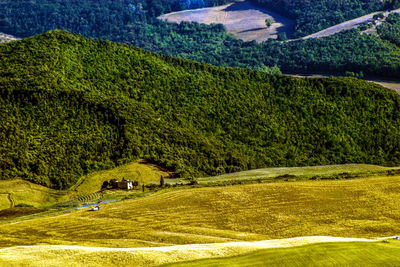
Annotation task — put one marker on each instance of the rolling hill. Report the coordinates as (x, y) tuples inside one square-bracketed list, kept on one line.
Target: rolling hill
[(218, 222), (70, 106), (136, 23)]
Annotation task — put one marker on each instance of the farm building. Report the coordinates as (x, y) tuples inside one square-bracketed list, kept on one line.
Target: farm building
[(125, 184)]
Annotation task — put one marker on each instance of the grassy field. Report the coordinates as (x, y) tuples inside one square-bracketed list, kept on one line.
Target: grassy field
[(351, 208), (25, 192), (240, 18), (329, 254), (140, 171), (302, 173), (274, 252), (39, 196), (222, 221)]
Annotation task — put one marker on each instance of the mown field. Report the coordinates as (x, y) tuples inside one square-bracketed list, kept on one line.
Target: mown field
[(289, 252), (350, 208), (24, 192), (223, 222), (329, 254)]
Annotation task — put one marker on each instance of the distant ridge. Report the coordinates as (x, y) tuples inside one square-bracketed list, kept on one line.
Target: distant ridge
[(70, 105)]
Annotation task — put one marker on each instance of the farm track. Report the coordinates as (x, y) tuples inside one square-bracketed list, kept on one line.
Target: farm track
[(11, 199)]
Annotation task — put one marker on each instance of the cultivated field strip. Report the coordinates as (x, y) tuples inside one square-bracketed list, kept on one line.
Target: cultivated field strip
[(352, 208)]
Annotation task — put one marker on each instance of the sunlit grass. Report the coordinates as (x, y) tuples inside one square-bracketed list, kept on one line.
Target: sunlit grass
[(329, 254), (352, 208), (302, 172)]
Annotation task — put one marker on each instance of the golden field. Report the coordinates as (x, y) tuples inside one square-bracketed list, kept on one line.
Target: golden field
[(184, 224), (303, 251), (349, 208)]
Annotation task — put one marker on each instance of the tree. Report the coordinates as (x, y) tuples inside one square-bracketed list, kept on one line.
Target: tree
[(269, 22), (282, 36), (105, 185)]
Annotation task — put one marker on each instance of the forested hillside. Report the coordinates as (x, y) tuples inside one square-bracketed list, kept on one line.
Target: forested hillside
[(135, 23), (70, 105), (391, 29)]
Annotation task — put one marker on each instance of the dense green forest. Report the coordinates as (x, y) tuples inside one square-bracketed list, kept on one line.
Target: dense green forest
[(70, 105), (135, 23), (391, 29)]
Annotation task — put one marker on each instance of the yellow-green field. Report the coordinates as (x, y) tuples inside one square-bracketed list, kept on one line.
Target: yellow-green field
[(307, 251), (136, 171), (141, 231), (328, 254), (302, 172), (20, 191), (25, 192), (350, 208)]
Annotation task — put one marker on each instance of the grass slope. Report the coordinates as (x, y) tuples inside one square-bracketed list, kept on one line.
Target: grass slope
[(293, 173), (94, 256), (70, 106), (350, 208), (330, 254), (24, 192)]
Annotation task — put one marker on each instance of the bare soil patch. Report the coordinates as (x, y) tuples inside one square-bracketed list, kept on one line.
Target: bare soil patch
[(242, 19), (388, 84)]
